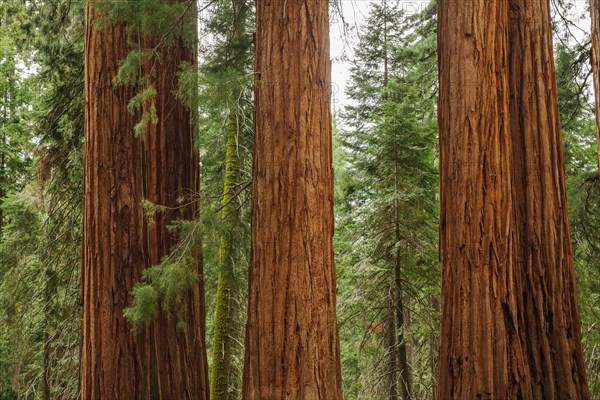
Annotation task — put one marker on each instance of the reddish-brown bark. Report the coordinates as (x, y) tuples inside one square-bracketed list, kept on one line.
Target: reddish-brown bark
[(172, 180), (163, 361), (481, 356), (550, 324), (510, 323), (115, 363), (292, 346)]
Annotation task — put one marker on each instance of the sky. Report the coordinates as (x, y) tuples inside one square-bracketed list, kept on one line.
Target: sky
[(354, 15), (342, 41)]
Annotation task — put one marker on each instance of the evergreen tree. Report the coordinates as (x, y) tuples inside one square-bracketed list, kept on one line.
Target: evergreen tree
[(391, 191), (227, 71)]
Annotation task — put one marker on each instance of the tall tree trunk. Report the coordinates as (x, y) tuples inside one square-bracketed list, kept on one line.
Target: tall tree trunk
[(481, 356), (391, 346), (172, 180), (550, 324), (225, 317), (163, 361), (405, 378), (595, 16), (292, 344), (510, 323), (3, 144), (115, 362), (434, 348), (49, 293), (225, 376)]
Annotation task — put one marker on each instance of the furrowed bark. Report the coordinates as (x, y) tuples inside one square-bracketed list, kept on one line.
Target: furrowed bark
[(172, 180), (481, 356), (550, 324), (292, 345), (115, 362), (163, 360)]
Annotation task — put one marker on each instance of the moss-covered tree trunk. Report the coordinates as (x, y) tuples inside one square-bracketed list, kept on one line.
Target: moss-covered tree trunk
[(228, 330), (292, 345), (549, 322), (595, 16), (227, 285)]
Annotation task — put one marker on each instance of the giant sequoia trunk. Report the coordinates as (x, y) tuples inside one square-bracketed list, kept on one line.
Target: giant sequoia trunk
[(292, 346), (510, 323), (550, 324), (115, 362), (172, 180), (595, 16), (162, 361), (481, 356)]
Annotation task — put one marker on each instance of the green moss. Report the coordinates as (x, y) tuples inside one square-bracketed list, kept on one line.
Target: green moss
[(226, 284)]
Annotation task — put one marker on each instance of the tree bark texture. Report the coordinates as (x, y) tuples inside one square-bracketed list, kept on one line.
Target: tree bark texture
[(595, 16), (172, 180), (292, 344), (481, 356), (115, 362), (510, 322), (162, 361), (550, 323)]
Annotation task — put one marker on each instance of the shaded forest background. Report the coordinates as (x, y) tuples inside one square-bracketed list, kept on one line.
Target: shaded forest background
[(386, 191)]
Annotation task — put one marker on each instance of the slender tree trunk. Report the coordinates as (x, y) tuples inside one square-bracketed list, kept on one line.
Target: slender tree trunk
[(481, 356), (3, 159), (225, 318), (164, 360), (405, 378), (391, 346), (434, 349), (228, 332), (292, 344), (550, 324), (49, 293), (595, 16), (115, 362)]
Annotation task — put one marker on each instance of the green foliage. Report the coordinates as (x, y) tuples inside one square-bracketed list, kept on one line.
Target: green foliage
[(166, 283), (583, 193), (129, 68), (387, 199), (187, 90), (225, 82), (143, 308), (163, 20)]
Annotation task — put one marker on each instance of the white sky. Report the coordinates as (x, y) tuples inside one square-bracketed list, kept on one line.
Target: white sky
[(355, 12)]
